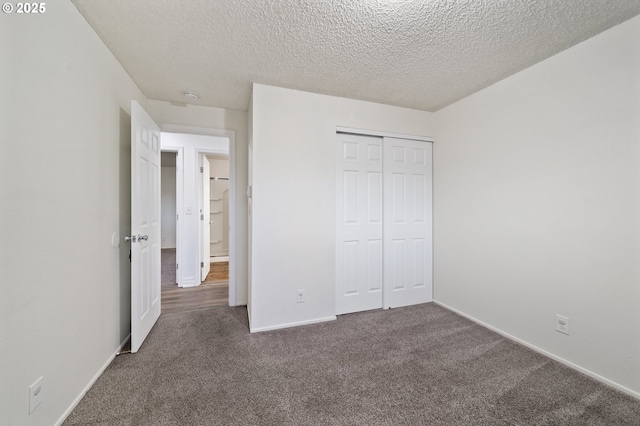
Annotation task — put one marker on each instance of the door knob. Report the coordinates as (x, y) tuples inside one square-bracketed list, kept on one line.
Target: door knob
[(134, 238)]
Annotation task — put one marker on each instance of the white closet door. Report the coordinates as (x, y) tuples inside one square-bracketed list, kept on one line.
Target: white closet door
[(407, 222), (359, 247)]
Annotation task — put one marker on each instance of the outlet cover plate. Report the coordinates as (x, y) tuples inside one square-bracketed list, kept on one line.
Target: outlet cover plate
[(35, 395), (562, 324)]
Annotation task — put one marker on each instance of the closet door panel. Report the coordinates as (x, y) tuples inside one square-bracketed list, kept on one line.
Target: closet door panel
[(407, 222), (359, 216)]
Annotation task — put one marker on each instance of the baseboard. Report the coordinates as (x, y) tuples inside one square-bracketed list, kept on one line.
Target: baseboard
[(189, 282), (568, 363), (76, 401), (292, 324)]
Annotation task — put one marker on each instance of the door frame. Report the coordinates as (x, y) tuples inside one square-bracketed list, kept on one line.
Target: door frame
[(231, 136), (200, 153), (205, 216)]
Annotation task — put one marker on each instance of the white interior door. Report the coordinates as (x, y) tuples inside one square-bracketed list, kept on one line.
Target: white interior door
[(145, 225), (407, 222), (205, 219), (359, 247)]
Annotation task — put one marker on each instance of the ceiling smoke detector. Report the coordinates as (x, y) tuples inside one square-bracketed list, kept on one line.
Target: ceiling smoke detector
[(192, 96)]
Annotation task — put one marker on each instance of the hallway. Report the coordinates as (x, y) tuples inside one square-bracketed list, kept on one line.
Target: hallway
[(214, 291)]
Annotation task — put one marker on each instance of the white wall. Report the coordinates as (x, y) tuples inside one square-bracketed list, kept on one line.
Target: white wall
[(219, 167), (249, 202), (167, 114), (189, 233), (537, 205), (293, 218), (219, 229), (65, 189), (168, 206)]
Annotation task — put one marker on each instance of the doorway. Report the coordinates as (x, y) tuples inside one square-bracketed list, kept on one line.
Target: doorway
[(168, 214), (191, 202), (214, 223)]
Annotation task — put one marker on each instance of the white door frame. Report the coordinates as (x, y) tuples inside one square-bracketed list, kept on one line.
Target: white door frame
[(231, 136), (179, 201), (205, 217), (199, 154)]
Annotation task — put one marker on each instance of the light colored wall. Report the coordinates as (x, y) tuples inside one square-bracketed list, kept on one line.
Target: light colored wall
[(220, 222), (168, 206), (166, 114), (537, 205), (219, 167), (65, 189), (190, 236), (293, 217), (249, 201)]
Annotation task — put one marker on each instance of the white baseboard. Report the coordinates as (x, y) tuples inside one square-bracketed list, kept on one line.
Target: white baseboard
[(189, 282), (76, 401), (568, 363), (292, 324)]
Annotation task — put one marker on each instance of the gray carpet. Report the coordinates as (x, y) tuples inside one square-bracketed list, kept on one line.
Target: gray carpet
[(168, 266), (420, 365)]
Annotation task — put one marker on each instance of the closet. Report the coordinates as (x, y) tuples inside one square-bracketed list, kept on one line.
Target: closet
[(383, 222), (219, 216), (219, 206)]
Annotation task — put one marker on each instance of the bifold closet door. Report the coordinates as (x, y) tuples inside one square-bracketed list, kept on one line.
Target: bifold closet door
[(359, 247), (407, 222)]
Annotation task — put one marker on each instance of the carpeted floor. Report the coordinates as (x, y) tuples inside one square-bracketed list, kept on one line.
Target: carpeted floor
[(168, 266), (420, 365)]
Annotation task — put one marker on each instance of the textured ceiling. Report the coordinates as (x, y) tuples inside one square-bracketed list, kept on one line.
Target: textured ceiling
[(422, 54)]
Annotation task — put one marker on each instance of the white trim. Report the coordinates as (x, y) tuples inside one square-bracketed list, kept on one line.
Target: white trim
[(292, 324), (570, 364), (190, 281), (366, 132), (231, 152), (93, 380), (207, 131)]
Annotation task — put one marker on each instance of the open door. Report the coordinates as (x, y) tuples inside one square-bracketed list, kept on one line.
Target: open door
[(205, 219), (145, 225)]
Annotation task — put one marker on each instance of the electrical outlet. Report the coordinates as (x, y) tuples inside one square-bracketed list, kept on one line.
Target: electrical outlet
[(562, 324), (300, 296), (35, 395)]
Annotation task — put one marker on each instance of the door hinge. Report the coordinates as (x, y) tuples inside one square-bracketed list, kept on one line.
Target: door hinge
[(177, 266), (202, 264), (177, 217), (201, 169), (201, 217)]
